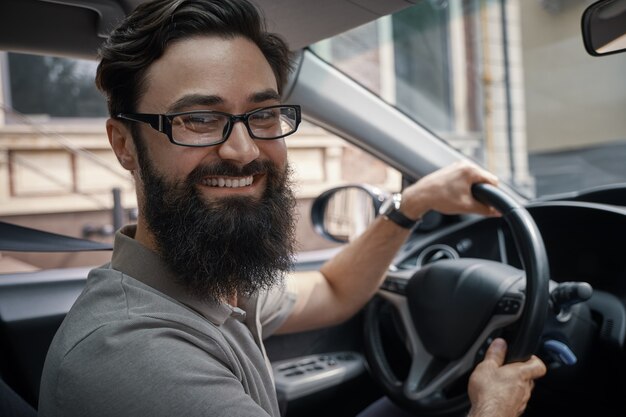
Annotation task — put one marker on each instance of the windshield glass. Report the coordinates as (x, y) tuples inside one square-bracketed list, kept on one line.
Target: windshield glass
[(508, 83)]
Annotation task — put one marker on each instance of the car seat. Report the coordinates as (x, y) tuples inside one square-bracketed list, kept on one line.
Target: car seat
[(12, 405)]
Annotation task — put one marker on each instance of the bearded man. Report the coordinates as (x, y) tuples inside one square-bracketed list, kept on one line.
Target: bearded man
[(174, 324)]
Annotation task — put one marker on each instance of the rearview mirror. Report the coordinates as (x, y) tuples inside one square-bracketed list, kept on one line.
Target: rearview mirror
[(342, 214), (604, 27)]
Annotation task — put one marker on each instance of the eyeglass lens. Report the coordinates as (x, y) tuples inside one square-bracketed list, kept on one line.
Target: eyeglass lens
[(201, 128)]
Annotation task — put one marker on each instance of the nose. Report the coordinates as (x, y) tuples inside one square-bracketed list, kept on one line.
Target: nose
[(239, 147)]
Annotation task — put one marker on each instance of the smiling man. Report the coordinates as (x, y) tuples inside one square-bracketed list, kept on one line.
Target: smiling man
[(174, 324), (217, 179)]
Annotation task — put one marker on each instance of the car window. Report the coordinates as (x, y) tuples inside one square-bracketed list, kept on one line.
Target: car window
[(51, 87), (59, 175), (507, 83)]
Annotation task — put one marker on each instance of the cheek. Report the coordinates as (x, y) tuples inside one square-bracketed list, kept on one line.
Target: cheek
[(176, 162), (274, 150)]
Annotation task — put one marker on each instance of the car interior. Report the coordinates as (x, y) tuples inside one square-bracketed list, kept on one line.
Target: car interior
[(549, 275)]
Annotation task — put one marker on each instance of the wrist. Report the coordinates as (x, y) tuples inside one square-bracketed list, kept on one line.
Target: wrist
[(413, 206), (480, 409), (479, 412), (390, 210)]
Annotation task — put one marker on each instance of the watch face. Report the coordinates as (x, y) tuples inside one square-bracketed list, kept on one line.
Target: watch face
[(397, 199), (391, 204), (387, 206)]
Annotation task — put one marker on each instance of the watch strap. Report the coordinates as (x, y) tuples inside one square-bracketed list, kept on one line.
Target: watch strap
[(400, 219), (392, 212)]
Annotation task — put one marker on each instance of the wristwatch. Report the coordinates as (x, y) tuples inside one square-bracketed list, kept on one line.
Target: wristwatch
[(391, 210)]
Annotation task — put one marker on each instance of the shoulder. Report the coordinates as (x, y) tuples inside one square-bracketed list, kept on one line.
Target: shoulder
[(116, 310), (272, 307), (118, 322), (140, 357)]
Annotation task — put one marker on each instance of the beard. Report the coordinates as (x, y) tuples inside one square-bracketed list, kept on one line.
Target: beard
[(226, 246)]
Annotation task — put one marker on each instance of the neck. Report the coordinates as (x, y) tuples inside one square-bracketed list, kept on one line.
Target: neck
[(144, 236)]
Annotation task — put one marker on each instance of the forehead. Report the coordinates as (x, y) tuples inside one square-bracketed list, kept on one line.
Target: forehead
[(233, 69)]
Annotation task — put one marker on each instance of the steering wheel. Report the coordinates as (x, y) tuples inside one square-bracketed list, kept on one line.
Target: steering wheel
[(449, 309)]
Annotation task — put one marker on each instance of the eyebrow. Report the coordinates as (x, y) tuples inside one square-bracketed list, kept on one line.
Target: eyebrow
[(191, 100), (264, 95)]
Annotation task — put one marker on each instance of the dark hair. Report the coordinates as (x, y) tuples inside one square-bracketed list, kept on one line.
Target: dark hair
[(143, 36)]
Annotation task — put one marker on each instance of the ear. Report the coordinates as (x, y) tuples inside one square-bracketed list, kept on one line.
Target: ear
[(121, 141)]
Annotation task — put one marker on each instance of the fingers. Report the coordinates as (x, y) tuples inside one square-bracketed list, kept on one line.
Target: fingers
[(534, 368), (531, 369), (492, 212), (448, 191), (476, 174), (496, 389), (485, 210), (465, 174), (496, 351)]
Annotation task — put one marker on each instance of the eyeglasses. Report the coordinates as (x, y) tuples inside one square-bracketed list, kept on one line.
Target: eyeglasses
[(208, 128)]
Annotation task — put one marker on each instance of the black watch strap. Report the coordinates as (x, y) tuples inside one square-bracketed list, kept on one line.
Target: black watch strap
[(391, 210), (400, 219)]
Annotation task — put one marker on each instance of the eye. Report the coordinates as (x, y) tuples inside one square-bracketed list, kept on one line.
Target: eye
[(265, 117), (200, 122)]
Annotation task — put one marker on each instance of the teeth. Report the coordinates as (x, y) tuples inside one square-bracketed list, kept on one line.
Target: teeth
[(228, 182)]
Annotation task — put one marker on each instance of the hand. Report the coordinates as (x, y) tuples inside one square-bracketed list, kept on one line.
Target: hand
[(502, 390), (448, 191)]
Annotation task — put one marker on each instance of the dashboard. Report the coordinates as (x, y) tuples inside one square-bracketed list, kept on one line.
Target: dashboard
[(584, 241)]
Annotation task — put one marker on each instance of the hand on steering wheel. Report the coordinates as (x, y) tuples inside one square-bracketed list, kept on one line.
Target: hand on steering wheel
[(450, 308)]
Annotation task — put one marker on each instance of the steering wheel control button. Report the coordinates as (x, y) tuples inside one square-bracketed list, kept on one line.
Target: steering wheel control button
[(480, 355), (394, 285), (508, 305), (296, 378)]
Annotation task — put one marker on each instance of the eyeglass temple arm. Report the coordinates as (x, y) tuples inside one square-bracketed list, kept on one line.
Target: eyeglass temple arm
[(154, 120)]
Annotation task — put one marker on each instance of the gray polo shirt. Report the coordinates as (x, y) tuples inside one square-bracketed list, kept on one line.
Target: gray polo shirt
[(136, 344)]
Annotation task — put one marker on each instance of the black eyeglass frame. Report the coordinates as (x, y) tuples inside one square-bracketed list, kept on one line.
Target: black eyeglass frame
[(163, 122)]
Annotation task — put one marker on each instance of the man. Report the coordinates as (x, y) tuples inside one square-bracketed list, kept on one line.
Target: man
[(174, 324)]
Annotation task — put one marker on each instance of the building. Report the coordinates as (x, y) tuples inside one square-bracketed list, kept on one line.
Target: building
[(57, 173)]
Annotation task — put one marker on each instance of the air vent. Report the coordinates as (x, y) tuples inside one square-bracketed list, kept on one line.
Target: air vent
[(436, 253)]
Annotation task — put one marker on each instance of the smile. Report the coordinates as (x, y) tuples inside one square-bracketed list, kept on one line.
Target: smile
[(228, 182)]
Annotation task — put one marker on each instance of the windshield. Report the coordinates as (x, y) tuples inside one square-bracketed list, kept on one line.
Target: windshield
[(508, 83)]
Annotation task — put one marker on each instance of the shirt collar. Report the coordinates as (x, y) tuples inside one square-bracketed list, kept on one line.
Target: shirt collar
[(135, 260)]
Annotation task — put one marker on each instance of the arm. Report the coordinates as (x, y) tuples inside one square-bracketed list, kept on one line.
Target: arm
[(498, 390), (346, 282)]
